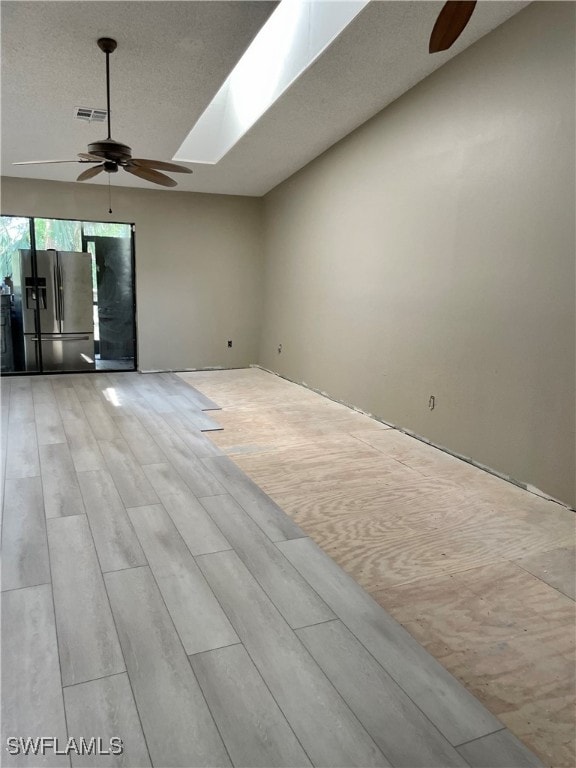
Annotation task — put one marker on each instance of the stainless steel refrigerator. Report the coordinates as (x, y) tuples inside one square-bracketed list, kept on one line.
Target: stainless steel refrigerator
[(62, 289)]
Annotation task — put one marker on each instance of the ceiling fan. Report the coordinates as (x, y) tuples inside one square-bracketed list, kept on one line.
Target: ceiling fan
[(110, 154), (450, 24)]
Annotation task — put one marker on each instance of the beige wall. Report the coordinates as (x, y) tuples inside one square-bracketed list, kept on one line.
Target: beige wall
[(198, 265), (432, 252)]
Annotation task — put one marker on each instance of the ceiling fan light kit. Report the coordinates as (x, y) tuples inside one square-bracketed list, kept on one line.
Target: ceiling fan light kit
[(110, 155)]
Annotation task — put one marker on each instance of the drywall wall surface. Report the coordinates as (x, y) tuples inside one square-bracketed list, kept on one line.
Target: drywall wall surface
[(198, 265), (432, 252)]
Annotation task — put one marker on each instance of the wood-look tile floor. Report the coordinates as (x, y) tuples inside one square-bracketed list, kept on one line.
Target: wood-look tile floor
[(480, 572), (154, 593)]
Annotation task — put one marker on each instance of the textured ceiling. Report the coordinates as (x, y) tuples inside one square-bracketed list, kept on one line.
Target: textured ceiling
[(171, 59)]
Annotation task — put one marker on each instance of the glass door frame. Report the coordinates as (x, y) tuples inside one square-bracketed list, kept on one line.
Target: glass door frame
[(33, 251)]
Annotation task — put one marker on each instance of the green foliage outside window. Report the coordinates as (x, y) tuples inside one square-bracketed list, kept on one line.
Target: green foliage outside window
[(106, 229), (14, 234), (61, 234)]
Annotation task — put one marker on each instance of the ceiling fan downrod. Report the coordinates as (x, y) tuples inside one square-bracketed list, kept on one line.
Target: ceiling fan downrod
[(108, 148), (108, 45)]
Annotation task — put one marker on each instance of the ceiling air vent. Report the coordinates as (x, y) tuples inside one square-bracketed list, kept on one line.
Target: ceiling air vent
[(90, 114)]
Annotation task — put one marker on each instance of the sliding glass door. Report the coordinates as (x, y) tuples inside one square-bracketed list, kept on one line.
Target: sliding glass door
[(14, 238), (114, 322), (67, 296)]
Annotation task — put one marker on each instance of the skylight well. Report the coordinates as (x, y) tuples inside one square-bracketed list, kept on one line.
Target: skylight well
[(291, 40)]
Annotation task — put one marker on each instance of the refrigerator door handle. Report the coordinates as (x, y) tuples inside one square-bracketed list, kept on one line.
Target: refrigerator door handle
[(60, 287), (55, 276), (62, 337), (56, 294)]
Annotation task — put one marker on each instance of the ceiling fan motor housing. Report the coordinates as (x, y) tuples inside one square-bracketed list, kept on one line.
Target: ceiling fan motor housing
[(108, 149)]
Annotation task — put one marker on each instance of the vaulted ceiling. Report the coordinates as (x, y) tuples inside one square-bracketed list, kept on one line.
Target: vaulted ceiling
[(172, 58)]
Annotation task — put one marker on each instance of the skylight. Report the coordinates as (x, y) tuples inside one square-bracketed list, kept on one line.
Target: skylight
[(291, 40)]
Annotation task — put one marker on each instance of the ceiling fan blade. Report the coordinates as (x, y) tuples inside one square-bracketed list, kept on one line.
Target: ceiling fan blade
[(160, 165), (45, 162), (450, 24), (90, 172), (88, 156), (151, 175)]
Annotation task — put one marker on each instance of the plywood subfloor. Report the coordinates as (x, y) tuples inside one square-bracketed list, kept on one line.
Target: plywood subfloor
[(479, 571)]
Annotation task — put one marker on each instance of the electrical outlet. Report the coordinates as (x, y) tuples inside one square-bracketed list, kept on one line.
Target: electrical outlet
[(279, 348), (229, 342)]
